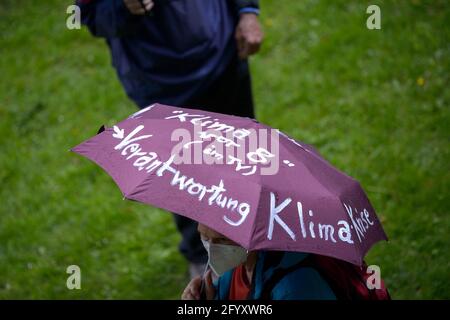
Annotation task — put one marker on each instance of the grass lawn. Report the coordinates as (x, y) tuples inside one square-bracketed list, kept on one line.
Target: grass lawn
[(374, 103)]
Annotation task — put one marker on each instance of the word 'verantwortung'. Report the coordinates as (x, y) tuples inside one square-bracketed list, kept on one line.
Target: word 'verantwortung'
[(131, 149)]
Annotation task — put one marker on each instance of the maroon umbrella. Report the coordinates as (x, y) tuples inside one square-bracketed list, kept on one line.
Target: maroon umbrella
[(252, 183)]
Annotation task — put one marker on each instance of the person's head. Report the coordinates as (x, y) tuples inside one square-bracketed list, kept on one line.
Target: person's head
[(213, 236), (223, 253)]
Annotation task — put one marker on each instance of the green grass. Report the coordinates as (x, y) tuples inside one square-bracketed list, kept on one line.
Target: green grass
[(375, 103)]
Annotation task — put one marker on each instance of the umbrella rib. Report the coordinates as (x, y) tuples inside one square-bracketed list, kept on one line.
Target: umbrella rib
[(254, 221)]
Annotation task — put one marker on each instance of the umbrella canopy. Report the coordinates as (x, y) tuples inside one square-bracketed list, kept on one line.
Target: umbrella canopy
[(252, 183)]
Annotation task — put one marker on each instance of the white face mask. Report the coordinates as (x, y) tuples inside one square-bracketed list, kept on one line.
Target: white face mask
[(223, 257)]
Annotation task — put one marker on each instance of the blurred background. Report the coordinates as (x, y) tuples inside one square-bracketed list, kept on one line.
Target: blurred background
[(375, 103)]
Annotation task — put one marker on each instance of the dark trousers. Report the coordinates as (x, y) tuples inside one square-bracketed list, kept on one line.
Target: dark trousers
[(231, 94)]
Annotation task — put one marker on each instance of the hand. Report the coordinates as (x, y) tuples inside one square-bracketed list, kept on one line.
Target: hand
[(248, 35), (192, 291), (135, 6)]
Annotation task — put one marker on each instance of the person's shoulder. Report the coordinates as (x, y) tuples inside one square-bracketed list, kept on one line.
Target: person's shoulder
[(305, 283)]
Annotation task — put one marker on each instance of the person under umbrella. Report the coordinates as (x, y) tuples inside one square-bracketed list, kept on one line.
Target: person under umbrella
[(276, 275), (283, 206)]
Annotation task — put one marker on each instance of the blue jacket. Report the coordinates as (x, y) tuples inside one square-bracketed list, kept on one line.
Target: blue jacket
[(304, 283), (170, 54)]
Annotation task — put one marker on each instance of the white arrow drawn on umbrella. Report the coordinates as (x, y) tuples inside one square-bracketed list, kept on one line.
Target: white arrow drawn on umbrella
[(119, 133)]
